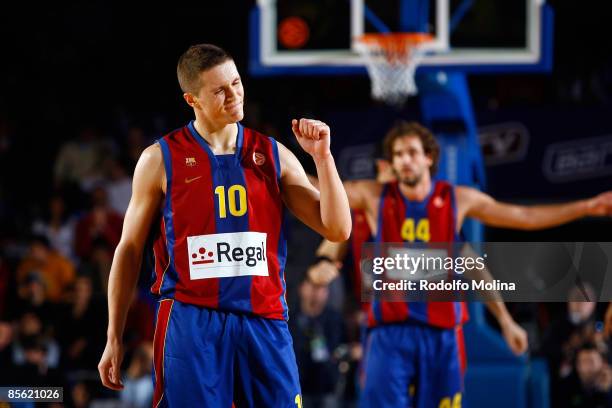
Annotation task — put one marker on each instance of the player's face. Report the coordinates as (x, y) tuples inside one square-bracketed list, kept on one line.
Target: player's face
[(409, 160), (221, 96)]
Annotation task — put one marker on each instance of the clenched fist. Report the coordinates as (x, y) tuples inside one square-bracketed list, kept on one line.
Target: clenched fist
[(313, 135)]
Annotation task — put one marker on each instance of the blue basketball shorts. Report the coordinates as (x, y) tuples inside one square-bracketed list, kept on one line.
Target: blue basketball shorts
[(210, 358), (412, 365)]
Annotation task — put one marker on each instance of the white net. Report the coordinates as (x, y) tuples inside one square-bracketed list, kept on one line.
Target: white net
[(391, 61)]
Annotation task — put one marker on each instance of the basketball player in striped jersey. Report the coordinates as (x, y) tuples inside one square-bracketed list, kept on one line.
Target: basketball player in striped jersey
[(418, 345), (213, 195)]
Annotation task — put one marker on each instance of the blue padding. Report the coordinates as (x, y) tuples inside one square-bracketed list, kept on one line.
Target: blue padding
[(484, 344), (495, 385), (539, 384), (446, 97)]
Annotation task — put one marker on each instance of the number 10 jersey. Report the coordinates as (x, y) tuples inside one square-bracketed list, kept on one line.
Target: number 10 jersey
[(220, 242)]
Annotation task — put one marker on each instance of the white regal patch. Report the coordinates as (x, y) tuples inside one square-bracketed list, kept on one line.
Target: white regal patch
[(227, 255)]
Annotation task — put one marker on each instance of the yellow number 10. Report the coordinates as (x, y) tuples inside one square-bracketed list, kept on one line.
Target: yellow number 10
[(298, 401), (236, 207)]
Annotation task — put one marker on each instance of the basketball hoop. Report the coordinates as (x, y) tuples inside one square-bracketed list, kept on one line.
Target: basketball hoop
[(391, 60)]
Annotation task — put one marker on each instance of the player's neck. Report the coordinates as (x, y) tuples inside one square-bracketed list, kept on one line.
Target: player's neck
[(418, 192), (220, 138)]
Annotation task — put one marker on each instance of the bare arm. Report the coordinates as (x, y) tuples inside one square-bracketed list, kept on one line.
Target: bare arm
[(328, 267), (144, 203), (356, 190), (476, 204), (327, 212), (515, 335), (336, 251)]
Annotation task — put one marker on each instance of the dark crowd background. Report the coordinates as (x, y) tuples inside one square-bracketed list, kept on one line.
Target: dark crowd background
[(86, 86)]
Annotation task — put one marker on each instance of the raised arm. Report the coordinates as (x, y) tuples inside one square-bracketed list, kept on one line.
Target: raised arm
[(476, 204), (144, 204), (356, 190), (325, 210)]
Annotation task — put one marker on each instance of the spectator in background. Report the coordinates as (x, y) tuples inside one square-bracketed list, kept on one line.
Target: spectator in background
[(318, 332), (55, 271), (79, 161), (119, 186), (136, 142), (590, 385), (58, 227), (32, 298), (5, 286), (6, 360), (81, 335), (567, 333), (80, 395), (33, 369), (138, 388), (10, 187), (98, 264), (101, 223), (31, 336)]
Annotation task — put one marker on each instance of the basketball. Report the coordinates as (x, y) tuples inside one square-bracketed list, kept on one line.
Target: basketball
[(293, 32)]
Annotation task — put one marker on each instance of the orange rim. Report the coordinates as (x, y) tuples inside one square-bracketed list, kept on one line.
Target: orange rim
[(395, 40)]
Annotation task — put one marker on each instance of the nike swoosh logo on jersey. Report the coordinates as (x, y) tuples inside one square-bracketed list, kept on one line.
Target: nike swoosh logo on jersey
[(189, 180)]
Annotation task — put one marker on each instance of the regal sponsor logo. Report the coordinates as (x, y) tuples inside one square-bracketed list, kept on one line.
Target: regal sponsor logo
[(227, 255)]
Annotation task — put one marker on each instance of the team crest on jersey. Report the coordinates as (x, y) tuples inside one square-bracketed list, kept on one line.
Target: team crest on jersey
[(190, 161), (259, 159), (438, 202)]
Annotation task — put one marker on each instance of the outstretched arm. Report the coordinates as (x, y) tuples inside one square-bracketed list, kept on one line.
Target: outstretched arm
[(146, 197), (356, 190), (326, 211), (476, 204)]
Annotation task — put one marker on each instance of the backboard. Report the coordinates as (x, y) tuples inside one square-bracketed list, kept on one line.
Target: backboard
[(306, 37)]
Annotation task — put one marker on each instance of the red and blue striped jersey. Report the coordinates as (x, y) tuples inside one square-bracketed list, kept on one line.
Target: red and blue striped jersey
[(220, 241), (432, 220), (360, 234)]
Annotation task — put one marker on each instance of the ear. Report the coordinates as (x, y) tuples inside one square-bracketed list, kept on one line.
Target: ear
[(429, 160), (191, 100)]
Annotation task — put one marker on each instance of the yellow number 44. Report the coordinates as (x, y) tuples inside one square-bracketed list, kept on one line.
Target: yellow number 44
[(446, 402), (237, 207), (411, 234)]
